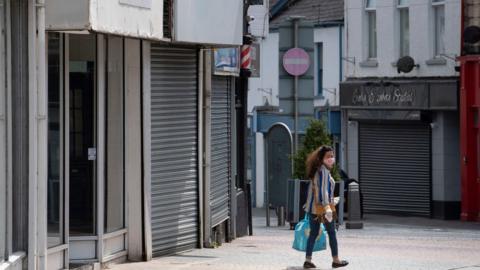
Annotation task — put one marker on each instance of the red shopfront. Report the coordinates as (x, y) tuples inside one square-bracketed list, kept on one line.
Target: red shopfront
[(470, 110), (470, 137)]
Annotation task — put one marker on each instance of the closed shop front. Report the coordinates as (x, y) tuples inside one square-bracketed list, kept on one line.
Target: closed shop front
[(395, 168), (221, 142), (401, 143), (174, 149)]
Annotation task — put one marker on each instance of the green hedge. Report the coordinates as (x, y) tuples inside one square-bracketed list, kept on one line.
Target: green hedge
[(316, 136)]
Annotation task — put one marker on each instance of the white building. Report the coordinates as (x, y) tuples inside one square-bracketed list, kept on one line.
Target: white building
[(327, 19), (401, 128), (432, 34)]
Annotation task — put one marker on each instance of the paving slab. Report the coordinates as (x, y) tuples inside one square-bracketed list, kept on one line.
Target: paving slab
[(384, 243)]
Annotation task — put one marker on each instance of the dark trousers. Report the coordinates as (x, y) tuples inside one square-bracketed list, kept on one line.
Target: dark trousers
[(314, 230)]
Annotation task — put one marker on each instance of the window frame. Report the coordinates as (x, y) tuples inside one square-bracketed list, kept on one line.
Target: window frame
[(371, 10), (402, 5), (372, 51), (320, 61), (436, 5), (62, 150), (372, 7), (257, 2), (401, 31)]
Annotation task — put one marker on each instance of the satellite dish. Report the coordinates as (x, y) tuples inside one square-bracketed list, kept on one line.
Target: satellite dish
[(405, 64), (471, 34)]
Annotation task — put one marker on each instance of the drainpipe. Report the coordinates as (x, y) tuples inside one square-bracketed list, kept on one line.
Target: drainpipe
[(42, 141)]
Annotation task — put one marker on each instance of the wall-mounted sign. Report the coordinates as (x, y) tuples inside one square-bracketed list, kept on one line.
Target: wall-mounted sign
[(378, 95), (226, 61), (255, 58), (296, 61)]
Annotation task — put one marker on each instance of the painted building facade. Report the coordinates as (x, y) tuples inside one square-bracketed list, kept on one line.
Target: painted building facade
[(399, 102)]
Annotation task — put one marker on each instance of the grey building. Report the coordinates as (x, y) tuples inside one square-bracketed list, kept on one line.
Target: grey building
[(116, 137)]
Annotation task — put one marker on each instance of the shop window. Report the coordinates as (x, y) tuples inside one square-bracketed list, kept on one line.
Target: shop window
[(115, 134), (55, 180)]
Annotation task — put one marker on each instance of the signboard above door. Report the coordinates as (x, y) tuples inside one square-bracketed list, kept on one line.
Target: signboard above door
[(399, 94)]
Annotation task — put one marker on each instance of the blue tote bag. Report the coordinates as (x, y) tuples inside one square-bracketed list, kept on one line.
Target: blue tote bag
[(302, 233)]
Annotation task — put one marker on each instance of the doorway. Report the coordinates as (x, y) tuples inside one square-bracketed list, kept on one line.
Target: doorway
[(71, 184), (279, 164), (86, 140), (82, 134)]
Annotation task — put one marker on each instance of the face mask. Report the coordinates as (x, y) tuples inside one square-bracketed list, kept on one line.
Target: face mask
[(330, 161)]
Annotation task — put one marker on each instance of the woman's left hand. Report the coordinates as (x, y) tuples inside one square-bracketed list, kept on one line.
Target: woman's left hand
[(329, 215)]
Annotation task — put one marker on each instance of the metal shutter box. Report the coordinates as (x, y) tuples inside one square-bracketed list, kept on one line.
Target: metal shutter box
[(220, 149), (174, 119), (395, 168)]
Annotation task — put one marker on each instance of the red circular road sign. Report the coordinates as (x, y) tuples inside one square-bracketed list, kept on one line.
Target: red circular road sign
[(296, 61)]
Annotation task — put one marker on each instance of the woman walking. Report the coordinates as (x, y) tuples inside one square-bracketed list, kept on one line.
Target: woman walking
[(320, 203)]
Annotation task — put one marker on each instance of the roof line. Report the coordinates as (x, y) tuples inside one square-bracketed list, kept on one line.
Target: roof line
[(316, 25), (329, 23), (279, 6)]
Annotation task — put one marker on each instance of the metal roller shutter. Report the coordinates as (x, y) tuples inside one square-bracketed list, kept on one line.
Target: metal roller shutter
[(175, 219), (220, 149), (395, 168)]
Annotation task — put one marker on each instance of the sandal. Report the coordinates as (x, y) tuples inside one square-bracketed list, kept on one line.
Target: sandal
[(309, 265), (340, 264)]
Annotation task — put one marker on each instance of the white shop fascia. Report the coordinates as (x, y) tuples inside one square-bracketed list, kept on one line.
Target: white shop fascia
[(130, 18)]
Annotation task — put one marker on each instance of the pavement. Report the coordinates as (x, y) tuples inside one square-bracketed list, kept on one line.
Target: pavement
[(385, 242)]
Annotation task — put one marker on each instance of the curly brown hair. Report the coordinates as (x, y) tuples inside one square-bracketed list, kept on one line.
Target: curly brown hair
[(314, 160)]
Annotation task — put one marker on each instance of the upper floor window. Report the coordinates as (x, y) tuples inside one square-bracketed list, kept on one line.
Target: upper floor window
[(404, 26), (370, 4), (402, 3), (439, 26), (320, 68), (256, 2), (371, 15)]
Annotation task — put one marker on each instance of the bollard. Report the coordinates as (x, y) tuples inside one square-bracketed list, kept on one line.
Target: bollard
[(281, 216), (268, 215), (354, 213)]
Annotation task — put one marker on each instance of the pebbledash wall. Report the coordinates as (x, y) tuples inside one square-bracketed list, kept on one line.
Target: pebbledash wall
[(402, 129)]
